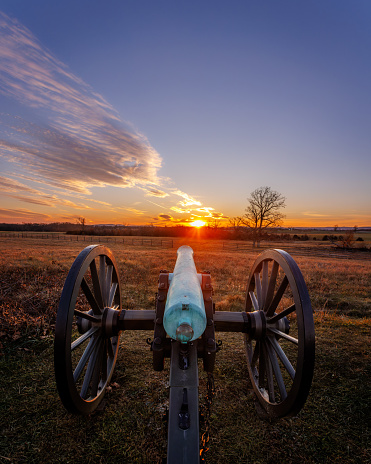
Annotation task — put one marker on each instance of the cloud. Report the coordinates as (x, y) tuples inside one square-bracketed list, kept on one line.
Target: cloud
[(206, 210), (78, 140), (23, 215), (314, 214), (11, 188), (165, 219), (187, 200), (66, 139), (135, 211), (157, 193), (180, 210)]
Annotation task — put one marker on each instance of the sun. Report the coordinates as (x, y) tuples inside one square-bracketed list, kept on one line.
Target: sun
[(198, 223)]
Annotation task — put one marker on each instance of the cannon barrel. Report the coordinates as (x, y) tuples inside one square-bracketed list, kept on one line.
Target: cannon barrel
[(185, 317)]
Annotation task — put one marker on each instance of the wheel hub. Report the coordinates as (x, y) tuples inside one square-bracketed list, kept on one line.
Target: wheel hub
[(258, 324), (110, 322)]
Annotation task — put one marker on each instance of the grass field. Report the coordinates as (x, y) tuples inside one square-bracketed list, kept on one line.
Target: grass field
[(334, 425)]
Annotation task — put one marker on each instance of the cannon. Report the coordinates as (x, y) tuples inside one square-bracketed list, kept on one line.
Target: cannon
[(276, 323)]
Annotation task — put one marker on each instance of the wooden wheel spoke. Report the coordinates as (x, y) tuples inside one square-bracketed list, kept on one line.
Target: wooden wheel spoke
[(277, 371), (86, 315), (110, 349), (84, 358), (90, 371), (97, 370), (282, 356), (96, 285), (90, 297), (255, 355), (269, 372), (258, 288), (277, 297), (83, 337), (264, 283), (282, 314), (108, 284), (284, 335), (271, 285), (112, 294), (262, 367), (254, 301), (102, 278)]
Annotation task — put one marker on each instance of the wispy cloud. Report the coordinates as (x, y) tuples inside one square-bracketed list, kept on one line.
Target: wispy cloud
[(15, 189), (177, 209), (22, 215), (79, 141), (138, 212), (314, 214), (187, 200), (165, 217), (65, 139), (157, 193)]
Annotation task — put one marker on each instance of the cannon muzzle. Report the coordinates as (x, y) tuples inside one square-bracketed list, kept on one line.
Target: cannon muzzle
[(184, 317)]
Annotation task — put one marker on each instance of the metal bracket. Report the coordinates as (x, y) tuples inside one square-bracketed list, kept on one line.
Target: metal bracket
[(159, 340)]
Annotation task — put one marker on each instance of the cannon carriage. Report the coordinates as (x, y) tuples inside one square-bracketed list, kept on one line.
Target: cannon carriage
[(276, 323)]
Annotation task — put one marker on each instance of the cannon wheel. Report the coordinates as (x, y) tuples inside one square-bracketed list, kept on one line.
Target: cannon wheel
[(86, 345), (280, 345)]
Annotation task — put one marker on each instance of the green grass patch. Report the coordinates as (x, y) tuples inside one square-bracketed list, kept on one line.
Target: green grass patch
[(334, 425)]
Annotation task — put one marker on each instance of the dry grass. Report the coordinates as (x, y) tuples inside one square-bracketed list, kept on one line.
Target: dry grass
[(334, 426)]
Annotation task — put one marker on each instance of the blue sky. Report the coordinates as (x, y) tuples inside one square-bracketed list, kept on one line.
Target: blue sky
[(164, 111)]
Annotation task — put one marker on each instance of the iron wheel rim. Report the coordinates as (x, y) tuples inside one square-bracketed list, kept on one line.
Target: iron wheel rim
[(281, 374), (84, 362)]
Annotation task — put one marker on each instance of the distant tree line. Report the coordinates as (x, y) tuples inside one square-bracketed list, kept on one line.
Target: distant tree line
[(236, 231), (40, 227)]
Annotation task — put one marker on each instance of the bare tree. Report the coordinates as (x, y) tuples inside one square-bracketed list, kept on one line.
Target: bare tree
[(214, 223), (81, 221), (235, 222), (263, 211)]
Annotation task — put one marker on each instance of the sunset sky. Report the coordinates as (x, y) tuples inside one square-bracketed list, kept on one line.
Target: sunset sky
[(166, 112)]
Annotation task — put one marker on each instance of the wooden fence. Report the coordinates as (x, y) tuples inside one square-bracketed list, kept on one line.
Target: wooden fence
[(149, 242)]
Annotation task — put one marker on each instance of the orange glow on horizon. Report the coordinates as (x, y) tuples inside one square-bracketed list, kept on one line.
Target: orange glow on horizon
[(198, 223)]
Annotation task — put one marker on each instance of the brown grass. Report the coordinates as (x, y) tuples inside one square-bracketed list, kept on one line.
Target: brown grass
[(333, 427)]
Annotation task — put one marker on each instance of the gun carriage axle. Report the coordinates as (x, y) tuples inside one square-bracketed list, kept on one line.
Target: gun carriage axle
[(276, 323)]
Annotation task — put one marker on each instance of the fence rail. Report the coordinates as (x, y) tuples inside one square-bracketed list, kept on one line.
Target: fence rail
[(166, 243), (323, 251)]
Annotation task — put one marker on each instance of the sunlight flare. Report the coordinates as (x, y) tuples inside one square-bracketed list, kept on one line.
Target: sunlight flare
[(198, 223)]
